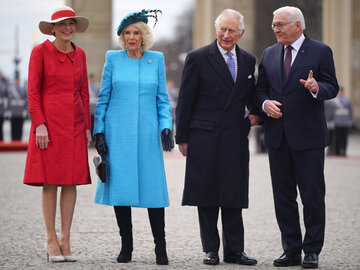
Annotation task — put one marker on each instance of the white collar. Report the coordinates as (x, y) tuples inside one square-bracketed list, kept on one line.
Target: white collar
[(297, 44), (222, 51)]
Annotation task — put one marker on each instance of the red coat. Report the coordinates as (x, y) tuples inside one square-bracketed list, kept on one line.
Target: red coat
[(58, 96)]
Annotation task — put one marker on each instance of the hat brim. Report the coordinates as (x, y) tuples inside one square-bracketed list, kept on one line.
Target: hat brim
[(82, 23)]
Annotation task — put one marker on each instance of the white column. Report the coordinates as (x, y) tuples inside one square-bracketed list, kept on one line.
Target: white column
[(337, 29)]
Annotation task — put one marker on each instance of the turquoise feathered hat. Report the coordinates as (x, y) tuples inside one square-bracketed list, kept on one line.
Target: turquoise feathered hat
[(141, 16)]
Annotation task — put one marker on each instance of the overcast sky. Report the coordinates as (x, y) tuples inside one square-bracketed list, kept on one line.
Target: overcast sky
[(26, 14)]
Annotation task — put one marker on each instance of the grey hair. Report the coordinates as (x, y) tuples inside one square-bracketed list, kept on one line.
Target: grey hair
[(295, 14), (232, 13), (148, 38)]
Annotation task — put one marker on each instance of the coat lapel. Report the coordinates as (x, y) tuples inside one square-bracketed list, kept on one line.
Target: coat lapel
[(278, 66), (299, 58), (59, 55), (240, 61), (218, 63)]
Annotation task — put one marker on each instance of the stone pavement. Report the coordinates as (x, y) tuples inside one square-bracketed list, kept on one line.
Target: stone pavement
[(96, 242)]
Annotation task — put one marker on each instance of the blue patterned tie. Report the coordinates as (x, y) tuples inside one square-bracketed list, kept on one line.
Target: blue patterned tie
[(231, 64)]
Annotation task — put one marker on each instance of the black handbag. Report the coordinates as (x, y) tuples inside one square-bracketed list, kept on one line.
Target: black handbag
[(100, 167)]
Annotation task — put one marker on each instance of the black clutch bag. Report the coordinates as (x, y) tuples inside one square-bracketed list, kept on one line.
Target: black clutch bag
[(100, 167)]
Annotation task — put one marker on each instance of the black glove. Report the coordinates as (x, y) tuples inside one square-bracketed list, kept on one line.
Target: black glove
[(167, 139), (100, 143)]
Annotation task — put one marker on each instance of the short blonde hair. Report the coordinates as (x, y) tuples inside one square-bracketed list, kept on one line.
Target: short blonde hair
[(148, 38)]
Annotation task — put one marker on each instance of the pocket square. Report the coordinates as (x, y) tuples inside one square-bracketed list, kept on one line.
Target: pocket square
[(250, 76)]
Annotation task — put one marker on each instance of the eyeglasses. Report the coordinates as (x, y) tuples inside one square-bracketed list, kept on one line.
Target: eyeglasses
[(279, 25)]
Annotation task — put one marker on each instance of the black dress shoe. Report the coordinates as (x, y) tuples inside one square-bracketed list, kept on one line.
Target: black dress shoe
[(311, 260), (239, 258), (288, 259), (211, 257)]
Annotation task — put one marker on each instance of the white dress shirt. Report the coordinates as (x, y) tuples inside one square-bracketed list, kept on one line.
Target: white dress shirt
[(233, 53)]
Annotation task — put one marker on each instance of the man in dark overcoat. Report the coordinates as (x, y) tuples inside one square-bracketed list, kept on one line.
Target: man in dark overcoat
[(212, 129), (296, 75)]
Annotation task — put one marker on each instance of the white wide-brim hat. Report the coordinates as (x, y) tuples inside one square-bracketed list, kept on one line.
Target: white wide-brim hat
[(60, 14)]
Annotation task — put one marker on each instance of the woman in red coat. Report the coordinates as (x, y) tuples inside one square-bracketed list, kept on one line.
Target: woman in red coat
[(58, 98)]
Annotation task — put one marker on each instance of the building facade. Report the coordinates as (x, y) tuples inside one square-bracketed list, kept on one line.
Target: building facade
[(98, 37)]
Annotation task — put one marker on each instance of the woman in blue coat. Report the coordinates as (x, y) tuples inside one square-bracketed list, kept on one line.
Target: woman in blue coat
[(132, 113)]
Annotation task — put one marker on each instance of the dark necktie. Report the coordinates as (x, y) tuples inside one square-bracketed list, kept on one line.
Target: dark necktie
[(287, 63)]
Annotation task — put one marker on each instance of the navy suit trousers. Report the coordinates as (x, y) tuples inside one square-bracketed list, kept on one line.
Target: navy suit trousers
[(302, 169)]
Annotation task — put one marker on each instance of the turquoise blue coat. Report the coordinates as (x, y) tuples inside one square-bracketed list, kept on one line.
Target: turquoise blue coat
[(132, 109)]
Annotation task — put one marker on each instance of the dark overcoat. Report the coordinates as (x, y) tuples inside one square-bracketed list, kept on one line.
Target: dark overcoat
[(210, 117)]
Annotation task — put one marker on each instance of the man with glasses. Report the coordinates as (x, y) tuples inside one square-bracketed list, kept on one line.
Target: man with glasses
[(211, 130), (296, 75)]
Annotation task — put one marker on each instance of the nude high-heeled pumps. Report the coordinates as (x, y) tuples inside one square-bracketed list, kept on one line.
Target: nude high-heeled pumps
[(70, 258), (54, 259)]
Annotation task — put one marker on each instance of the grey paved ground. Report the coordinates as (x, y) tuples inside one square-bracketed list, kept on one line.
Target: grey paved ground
[(96, 242)]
